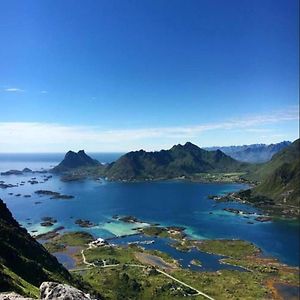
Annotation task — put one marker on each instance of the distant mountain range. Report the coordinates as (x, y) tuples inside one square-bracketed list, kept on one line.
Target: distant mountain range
[(255, 153)]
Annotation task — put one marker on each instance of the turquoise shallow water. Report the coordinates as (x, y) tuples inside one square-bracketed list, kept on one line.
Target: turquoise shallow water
[(168, 203)]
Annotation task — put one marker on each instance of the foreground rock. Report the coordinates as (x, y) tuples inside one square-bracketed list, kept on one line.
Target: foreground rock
[(13, 296), (51, 291), (57, 291)]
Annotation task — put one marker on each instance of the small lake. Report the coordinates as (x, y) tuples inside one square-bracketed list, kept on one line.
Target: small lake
[(209, 262)]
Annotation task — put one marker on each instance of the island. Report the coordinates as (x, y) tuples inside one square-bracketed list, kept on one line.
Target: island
[(54, 195)]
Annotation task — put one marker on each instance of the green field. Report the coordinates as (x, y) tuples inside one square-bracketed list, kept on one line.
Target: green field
[(130, 278)]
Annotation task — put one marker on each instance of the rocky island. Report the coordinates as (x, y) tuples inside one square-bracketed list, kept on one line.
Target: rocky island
[(54, 195)]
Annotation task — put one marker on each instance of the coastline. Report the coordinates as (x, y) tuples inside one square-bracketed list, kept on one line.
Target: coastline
[(246, 257)]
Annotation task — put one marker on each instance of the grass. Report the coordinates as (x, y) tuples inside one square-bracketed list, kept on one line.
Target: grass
[(155, 231), (121, 254), (78, 238), (231, 248), (60, 242), (225, 284), (129, 282), (11, 281)]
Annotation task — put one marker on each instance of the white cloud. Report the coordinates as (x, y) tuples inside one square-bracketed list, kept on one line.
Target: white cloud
[(44, 92), (259, 130), (50, 137), (13, 90)]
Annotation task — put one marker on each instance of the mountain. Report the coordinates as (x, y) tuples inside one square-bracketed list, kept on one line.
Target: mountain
[(255, 153), (75, 160), (24, 263), (181, 160), (278, 179)]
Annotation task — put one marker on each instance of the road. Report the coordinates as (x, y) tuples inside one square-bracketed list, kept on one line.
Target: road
[(92, 265), (182, 283)]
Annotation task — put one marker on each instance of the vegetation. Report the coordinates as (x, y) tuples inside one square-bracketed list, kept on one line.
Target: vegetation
[(59, 242), (73, 160), (231, 248), (278, 190), (180, 161), (77, 238), (132, 278), (21, 257), (155, 231)]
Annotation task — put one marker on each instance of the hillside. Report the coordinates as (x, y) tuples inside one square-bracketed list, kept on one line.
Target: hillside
[(21, 256), (25, 264), (279, 180), (181, 160), (255, 153), (73, 160)]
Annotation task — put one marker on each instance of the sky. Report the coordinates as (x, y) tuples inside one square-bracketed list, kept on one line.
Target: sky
[(120, 75)]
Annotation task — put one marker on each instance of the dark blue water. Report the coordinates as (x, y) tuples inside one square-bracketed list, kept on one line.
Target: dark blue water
[(168, 203)]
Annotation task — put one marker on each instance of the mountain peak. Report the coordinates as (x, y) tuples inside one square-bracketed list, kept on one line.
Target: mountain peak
[(189, 145), (181, 160), (186, 146), (74, 160)]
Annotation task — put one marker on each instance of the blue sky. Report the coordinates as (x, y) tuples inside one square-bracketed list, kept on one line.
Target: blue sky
[(122, 75)]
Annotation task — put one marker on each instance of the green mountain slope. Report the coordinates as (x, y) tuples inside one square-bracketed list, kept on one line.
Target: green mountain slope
[(181, 160), (279, 180), (24, 263), (289, 155)]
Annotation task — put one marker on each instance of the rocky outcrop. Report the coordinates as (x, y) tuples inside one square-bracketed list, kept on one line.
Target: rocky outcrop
[(57, 291), (51, 291), (13, 296)]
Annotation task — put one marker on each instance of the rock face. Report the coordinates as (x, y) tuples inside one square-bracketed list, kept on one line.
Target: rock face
[(57, 291), (51, 291), (12, 296), (75, 160)]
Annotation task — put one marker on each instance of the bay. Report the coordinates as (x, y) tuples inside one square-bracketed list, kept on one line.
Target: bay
[(178, 203)]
